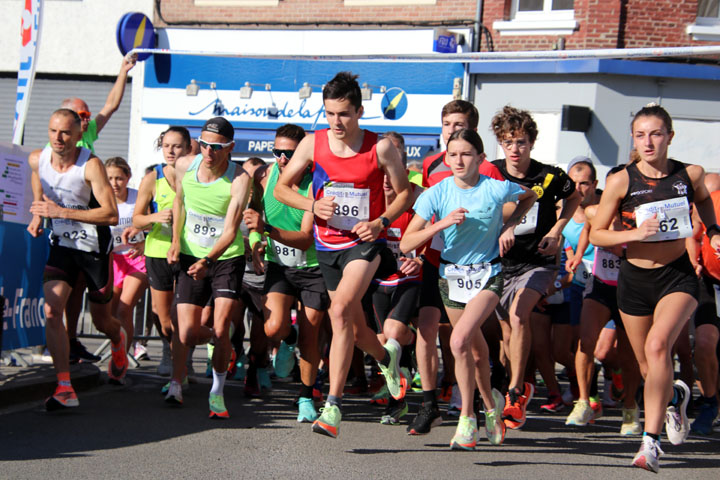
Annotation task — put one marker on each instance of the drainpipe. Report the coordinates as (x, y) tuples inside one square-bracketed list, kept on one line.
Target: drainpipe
[(477, 35)]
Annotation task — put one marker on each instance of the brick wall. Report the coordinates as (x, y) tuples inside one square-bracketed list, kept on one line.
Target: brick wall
[(316, 11), (659, 23)]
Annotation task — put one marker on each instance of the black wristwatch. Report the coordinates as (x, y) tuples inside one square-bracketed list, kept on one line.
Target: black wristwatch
[(267, 230), (714, 228), (208, 262), (385, 222)]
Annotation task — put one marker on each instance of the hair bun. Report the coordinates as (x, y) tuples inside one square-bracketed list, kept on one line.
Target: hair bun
[(652, 104)]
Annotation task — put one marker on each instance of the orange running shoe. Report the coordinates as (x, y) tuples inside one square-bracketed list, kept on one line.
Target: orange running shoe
[(64, 397), (514, 412), (118, 365)]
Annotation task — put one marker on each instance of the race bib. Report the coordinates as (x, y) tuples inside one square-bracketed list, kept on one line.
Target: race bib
[(288, 256), (673, 215), (466, 281), (529, 221), (582, 273), (352, 205), (717, 299), (77, 235), (607, 265), (394, 246), (117, 238), (203, 229)]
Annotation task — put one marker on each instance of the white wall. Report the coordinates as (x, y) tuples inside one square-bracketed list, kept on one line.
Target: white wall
[(77, 37)]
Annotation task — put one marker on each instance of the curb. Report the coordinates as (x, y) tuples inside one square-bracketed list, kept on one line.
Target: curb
[(37, 382)]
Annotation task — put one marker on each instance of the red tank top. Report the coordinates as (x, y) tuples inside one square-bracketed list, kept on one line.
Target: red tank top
[(710, 262), (394, 233), (357, 184), (435, 170)]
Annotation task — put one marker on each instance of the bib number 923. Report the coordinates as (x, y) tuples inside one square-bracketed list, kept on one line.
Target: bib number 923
[(75, 235)]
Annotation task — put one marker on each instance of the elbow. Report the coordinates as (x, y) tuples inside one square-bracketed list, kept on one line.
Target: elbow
[(113, 219)]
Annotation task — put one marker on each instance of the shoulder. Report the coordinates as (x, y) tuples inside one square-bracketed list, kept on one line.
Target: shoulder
[(695, 172), (34, 158), (617, 184), (385, 149), (183, 163), (491, 170)]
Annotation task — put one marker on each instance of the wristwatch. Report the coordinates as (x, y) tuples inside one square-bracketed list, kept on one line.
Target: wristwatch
[(208, 261), (267, 230), (385, 222), (558, 285)]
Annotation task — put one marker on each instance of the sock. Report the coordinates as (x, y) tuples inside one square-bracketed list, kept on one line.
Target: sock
[(654, 436), (292, 337), (333, 400), (306, 390), (218, 382), (430, 397), (64, 379), (386, 359)]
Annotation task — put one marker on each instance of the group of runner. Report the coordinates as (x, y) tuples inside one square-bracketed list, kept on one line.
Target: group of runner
[(520, 263)]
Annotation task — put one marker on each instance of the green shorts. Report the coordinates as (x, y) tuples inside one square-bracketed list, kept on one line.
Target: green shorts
[(494, 284)]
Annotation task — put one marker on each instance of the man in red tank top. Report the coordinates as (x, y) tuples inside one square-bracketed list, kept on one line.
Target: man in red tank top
[(348, 165)]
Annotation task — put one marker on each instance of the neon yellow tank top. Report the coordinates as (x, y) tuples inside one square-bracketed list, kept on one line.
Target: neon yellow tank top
[(157, 242)]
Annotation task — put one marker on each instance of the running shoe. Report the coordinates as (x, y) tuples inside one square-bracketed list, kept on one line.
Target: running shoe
[(618, 388), (118, 364), (284, 360), (445, 392), (166, 388), (630, 422), (165, 367), (306, 410), (514, 412), (568, 397), (416, 383), (648, 455), (607, 400), (428, 416), (252, 387), (555, 403), (208, 362), (455, 404), (395, 379), (329, 421), (677, 425), (494, 426), (232, 367), (174, 394), (240, 368), (78, 353), (263, 378), (703, 423), (581, 414), (217, 407), (140, 352), (381, 397), (64, 397), (597, 409), (465, 437), (394, 412)]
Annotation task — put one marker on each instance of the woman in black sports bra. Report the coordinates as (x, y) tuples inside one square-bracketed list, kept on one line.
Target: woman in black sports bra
[(657, 286)]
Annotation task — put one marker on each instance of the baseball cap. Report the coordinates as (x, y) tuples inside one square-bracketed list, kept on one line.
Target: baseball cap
[(578, 159), (220, 126)]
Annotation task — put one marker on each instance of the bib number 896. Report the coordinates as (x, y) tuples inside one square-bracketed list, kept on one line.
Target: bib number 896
[(346, 210)]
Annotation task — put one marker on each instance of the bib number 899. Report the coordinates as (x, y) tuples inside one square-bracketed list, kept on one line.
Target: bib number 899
[(204, 230)]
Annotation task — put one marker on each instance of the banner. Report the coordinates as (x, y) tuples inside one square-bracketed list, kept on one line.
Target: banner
[(30, 38)]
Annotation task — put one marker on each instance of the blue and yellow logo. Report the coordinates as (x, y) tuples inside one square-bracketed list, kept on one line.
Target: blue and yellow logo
[(394, 104)]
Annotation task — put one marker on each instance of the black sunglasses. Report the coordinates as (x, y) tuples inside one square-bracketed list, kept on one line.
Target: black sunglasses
[(277, 153)]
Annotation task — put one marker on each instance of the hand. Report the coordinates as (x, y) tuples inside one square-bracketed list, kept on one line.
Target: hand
[(715, 244), (253, 220), (410, 266), (572, 263), (698, 270), (648, 228), (549, 245), (368, 231), (506, 240), (128, 234), (137, 250), (197, 270), (173, 255), (325, 207), (456, 217), (258, 260), (163, 216), (46, 208), (542, 303), (128, 62), (35, 227)]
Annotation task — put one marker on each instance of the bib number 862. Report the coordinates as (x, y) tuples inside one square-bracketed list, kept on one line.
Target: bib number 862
[(204, 230), (469, 284), (346, 210)]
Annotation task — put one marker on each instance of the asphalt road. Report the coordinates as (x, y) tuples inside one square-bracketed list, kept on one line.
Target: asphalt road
[(129, 432)]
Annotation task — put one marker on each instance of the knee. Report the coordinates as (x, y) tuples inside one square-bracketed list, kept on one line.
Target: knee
[(518, 321), (656, 349), (459, 345), (53, 316), (273, 327)]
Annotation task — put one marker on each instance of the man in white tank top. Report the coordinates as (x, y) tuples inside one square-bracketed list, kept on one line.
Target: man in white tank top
[(70, 187)]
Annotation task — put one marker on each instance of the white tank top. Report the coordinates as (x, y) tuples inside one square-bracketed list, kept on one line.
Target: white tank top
[(69, 190), (125, 213)]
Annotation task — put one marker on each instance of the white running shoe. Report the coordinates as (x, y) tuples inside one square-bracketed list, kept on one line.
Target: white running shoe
[(648, 455), (677, 424)]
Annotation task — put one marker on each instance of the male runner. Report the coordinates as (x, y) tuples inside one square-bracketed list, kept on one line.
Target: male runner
[(292, 271), (71, 188), (211, 192), (529, 266), (348, 164), (456, 115)]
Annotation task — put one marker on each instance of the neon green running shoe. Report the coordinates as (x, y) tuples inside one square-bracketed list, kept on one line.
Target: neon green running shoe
[(466, 434), (329, 421), (494, 426), (416, 383), (396, 381), (217, 407)]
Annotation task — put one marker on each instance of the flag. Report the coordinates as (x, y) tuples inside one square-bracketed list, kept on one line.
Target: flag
[(30, 39)]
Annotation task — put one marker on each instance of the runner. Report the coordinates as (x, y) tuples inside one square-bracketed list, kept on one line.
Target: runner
[(71, 188), (455, 115), (156, 195), (292, 272), (529, 266), (211, 192), (348, 163), (470, 206), (707, 320), (130, 278), (657, 286)]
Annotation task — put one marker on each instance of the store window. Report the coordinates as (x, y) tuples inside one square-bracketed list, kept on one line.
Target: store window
[(539, 17), (707, 23)]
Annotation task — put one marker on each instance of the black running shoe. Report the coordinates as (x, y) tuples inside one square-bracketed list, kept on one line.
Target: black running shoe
[(429, 416), (78, 353)]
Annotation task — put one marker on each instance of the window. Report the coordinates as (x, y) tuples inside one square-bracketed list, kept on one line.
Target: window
[(707, 23), (539, 17)]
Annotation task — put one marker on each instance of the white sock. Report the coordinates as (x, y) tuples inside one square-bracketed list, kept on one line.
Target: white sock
[(218, 382)]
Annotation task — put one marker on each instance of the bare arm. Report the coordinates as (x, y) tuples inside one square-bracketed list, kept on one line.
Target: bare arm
[(35, 225), (178, 210), (142, 218), (115, 96), (551, 242), (507, 234), (292, 175), (703, 202), (105, 214)]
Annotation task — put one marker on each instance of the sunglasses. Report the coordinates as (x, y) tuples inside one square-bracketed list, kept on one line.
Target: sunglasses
[(85, 115), (277, 153), (213, 146)]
